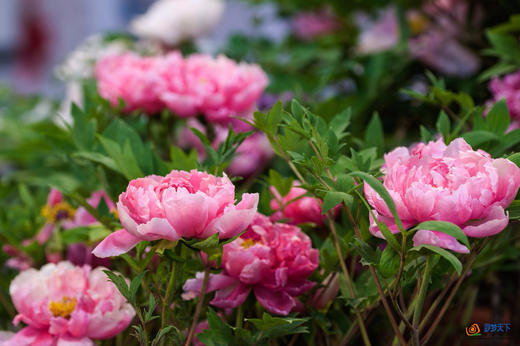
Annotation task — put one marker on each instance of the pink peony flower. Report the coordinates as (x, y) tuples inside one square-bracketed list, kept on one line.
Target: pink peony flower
[(181, 204), (325, 295), (450, 183), (309, 25), (82, 217), (131, 78), (508, 88), (296, 207), (198, 84), (377, 35), (273, 259), (67, 305)]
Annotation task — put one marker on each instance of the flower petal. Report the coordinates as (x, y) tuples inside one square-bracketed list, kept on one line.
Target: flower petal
[(493, 223), (116, 244), (276, 302), (438, 239)]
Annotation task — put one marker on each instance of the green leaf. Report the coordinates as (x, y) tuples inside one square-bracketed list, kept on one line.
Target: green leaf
[(476, 138), (497, 120), (515, 158), (96, 157), (389, 262), (272, 327), (383, 193), (207, 244), (444, 227), (443, 125), (135, 283), (426, 136), (333, 198), (374, 136), (281, 184), (454, 261), (219, 332), (83, 131), (120, 283), (161, 334), (514, 210)]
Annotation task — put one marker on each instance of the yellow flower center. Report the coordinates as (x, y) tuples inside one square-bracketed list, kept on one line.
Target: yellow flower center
[(57, 212), (248, 243), (62, 308), (116, 214), (417, 23)]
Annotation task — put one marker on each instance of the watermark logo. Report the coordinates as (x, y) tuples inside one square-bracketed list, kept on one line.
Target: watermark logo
[(490, 330), (473, 330)]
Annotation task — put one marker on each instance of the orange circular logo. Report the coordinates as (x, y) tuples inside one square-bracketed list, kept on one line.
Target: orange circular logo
[(473, 330)]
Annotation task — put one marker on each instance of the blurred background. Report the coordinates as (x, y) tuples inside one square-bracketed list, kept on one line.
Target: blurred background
[(37, 35)]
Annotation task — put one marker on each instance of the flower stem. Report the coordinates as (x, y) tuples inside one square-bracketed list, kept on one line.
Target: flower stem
[(350, 286), (198, 308), (420, 299), (240, 316), (169, 289)]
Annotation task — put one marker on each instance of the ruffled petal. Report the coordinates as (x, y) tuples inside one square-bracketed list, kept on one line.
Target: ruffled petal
[(493, 223), (231, 297), (276, 302), (192, 287)]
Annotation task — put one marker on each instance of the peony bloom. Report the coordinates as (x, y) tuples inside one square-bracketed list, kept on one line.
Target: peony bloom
[(132, 78), (450, 183), (273, 259), (182, 204), (325, 295), (175, 21), (508, 88), (67, 305), (309, 25), (222, 87), (296, 207), (218, 87)]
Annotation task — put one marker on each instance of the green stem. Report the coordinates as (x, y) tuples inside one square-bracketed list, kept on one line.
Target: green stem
[(240, 316), (350, 285), (198, 308), (420, 299), (166, 303)]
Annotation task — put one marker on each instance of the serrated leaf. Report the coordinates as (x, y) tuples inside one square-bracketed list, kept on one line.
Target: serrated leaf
[(454, 261), (333, 198), (119, 282), (219, 332)]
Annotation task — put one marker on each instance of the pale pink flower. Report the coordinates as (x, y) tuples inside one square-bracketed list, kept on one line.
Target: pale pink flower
[(450, 183), (272, 259), (67, 305), (377, 35), (309, 25), (182, 204), (132, 78), (218, 88), (508, 88), (326, 294), (296, 207)]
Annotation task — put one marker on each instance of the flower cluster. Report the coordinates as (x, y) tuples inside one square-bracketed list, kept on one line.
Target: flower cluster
[(450, 183), (67, 305), (182, 204), (273, 259), (218, 87)]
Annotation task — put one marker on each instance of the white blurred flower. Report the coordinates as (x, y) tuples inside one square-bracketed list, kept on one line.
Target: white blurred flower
[(174, 21), (79, 64)]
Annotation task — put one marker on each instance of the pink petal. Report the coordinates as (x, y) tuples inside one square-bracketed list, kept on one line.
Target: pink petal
[(116, 244), (438, 239), (186, 212), (276, 302), (231, 297), (234, 220), (66, 340), (45, 233), (192, 287), (30, 336), (492, 224), (157, 228)]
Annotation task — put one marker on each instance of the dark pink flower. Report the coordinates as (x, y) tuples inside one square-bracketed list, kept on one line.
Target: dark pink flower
[(272, 259)]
